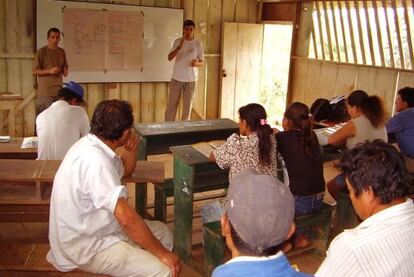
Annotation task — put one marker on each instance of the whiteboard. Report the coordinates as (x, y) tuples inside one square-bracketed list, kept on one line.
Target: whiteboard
[(161, 27)]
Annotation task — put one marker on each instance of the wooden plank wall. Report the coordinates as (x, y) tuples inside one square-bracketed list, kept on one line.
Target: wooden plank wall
[(314, 79), (17, 35)]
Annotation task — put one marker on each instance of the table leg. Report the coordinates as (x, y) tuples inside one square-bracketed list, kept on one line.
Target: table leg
[(183, 209), (141, 188), (345, 217)]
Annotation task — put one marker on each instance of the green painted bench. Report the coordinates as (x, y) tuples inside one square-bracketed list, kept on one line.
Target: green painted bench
[(317, 225), (165, 190)]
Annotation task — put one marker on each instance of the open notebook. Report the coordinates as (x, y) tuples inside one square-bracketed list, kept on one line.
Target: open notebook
[(206, 148)]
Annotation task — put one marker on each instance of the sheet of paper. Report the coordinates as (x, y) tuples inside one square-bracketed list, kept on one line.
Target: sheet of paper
[(30, 142), (5, 138)]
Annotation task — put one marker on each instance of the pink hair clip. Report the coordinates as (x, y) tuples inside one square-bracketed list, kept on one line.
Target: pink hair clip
[(263, 121)]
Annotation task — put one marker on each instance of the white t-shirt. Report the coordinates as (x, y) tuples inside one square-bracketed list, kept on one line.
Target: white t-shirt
[(364, 131), (85, 191), (58, 128), (191, 49)]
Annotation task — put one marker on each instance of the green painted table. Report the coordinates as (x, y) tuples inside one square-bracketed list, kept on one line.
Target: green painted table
[(157, 138), (193, 172)]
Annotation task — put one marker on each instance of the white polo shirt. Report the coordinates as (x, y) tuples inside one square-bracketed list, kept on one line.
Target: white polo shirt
[(191, 49), (85, 191), (58, 128), (382, 245)]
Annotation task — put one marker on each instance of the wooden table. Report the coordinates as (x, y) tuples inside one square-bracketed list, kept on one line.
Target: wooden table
[(39, 174), (13, 150), (157, 138), (193, 172)]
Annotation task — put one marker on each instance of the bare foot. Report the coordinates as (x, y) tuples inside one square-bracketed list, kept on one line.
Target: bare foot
[(301, 241), (287, 246)]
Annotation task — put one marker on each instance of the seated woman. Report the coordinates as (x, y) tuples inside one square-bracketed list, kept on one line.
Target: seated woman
[(367, 124), (300, 150), (253, 148)]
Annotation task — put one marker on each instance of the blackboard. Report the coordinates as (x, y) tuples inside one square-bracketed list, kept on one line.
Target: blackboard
[(161, 26)]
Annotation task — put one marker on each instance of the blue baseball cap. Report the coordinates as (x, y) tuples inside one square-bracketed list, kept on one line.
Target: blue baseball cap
[(74, 87)]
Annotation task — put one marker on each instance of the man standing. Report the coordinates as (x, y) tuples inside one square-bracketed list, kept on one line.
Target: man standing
[(62, 124), (402, 125), (91, 225), (383, 244), (49, 65), (258, 219), (188, 53)]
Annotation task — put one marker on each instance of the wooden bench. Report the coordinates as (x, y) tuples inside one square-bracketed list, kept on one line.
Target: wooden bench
[(25, 186), (165, 190), (30, 260), (214, 244)]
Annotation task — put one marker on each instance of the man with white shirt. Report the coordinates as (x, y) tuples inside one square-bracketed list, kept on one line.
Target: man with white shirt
[(91, 225), (258, 219), (188, 53), (62, 124), (383, 244)]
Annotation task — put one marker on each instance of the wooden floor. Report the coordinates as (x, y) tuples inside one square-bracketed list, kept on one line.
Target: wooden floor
[(15, 251)]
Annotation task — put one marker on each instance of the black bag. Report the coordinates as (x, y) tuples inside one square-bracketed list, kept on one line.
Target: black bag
[(320, 109), (334, 110)]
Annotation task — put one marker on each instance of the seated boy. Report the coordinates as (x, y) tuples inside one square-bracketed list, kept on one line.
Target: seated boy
[(259, 218)]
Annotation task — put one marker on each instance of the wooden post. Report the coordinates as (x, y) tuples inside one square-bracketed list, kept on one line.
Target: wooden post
[(397, 30), (361, 35), (341, 17), (379, 34)]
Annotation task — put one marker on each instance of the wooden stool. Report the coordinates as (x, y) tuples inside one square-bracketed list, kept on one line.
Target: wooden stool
[(345, 216), (214, 244)]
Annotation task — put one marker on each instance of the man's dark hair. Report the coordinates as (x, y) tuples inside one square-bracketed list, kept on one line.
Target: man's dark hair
[(67, 95), (111, 118), (188, 22), (244, 248), (53, 30), (407, 95), (377, 165)]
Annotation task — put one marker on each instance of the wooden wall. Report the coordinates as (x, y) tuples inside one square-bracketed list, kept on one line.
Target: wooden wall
[(17, 35), (312, 79)]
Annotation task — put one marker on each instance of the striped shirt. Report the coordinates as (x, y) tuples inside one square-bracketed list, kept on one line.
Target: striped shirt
[(382, 245)]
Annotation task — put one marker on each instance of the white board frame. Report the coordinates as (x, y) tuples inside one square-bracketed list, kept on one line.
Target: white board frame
[(157, 68)]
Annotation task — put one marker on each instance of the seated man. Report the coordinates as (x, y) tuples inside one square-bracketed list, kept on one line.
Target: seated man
[(383, 244), (91, 226), (62, 124), (259, 218), (402, 125)]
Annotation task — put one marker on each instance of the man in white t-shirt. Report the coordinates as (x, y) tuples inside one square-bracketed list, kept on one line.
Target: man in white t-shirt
[(91, 225), (62, 124), (188, 53)]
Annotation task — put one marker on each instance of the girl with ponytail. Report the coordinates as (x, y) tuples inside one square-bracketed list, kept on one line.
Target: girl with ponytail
[(300, 150), (367, 124), (253, 148)]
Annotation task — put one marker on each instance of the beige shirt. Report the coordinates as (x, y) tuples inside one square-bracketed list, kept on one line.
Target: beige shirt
[(364, 131), (47, 58)]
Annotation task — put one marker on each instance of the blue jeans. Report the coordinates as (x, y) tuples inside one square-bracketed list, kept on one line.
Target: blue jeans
[(307, 204)]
